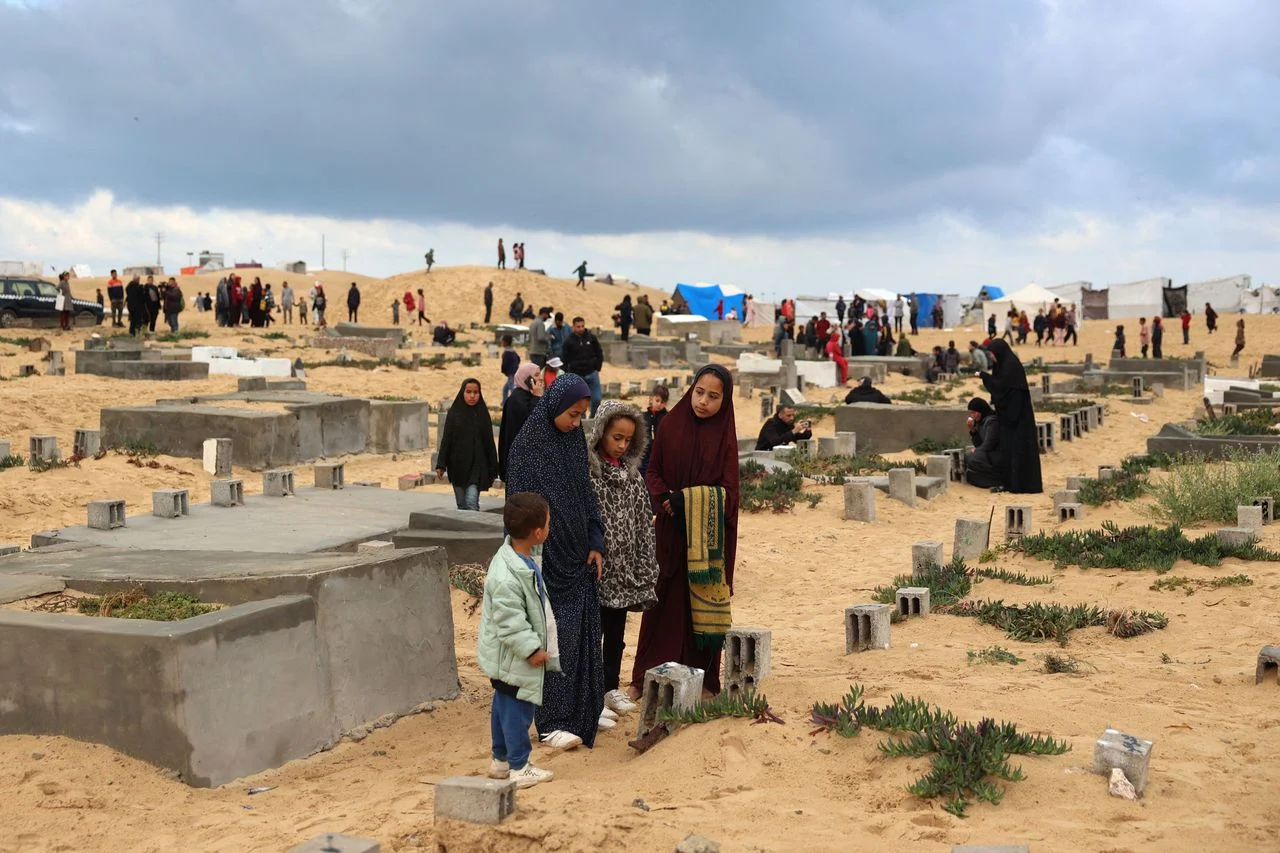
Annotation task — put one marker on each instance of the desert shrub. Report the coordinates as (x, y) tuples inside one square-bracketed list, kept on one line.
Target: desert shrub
[(778, 491), (1196, 491), (1134, 548), (931, 446), (993, 654), (12, 461), (1036, 622), (966, 757), (136, 603), (947, 584), (738, 704), (182, 335), (1016, 578), (1247, 422)]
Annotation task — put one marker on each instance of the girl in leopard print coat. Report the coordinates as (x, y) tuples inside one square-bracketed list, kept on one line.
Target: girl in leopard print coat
[(615, 446)]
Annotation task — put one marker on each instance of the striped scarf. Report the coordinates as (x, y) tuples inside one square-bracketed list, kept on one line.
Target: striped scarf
[(708, 589)]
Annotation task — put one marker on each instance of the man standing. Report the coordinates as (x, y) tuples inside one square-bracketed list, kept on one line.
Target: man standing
[(913, 305), (644, 316), (488, 301), (430, 258), (286, 303), (840, 306), (898, 309), (516, 311), (115, 294), (353, 304), (583, 356), (781, 429), (539, 339), (582, 273), (821, 329), (1186, 327), (153, 302), (502, 255), (558, 334)]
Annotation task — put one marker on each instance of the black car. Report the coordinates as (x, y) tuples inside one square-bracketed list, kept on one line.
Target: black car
[(32, 302)]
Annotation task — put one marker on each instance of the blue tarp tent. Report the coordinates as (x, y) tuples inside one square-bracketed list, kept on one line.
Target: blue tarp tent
[(703, 298), (989, 293)]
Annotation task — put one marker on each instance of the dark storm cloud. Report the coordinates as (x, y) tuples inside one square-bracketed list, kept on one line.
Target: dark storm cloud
[(581, 116)]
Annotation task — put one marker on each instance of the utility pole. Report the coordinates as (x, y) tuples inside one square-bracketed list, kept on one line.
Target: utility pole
[(159, 240), (322, 251), (191, 259), (345, 253)]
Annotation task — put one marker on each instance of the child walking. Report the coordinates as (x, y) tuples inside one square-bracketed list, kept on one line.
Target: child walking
[(517, 642), (618, 440)]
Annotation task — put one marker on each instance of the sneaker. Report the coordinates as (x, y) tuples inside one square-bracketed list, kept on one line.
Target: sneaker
[(607, 714), (619, 702), (528, 776), (605, 723), (499, 769), (560, 739)]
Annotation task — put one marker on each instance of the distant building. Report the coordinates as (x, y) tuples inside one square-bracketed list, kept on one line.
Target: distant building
[(143, 271), (295, 267), (25, 268), (212, 261)]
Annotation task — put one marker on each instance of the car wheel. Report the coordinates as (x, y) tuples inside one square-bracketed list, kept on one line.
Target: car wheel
[(7, 319), (87, 318)]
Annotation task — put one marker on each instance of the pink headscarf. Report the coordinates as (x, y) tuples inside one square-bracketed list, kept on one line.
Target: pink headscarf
[(525, 376)]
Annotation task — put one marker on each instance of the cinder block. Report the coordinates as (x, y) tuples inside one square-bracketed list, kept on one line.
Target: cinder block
[(846, 444), (6, 449), (826, 447), (793, 397), (87, 443), (106, 515), (1268, 661), (226, 493), (1093, 417), (375, 545), (1137, 392), (41, 448), (407, 482), (747, 658), (1131, 754), (1102, 411), (170, 503), (859, 501), (1267, 503), (1249, 518), (6, 550), (1070, 512), (251, 383), (971, 539), (938, 466), (334, 843), (866, 626), (1017, 520), (1045, 437), (25, 370), (668, 687), (902, 485), (913, 601), (217, 457), (330, 475), (1236, 537), (1106, 472), (1046, 383), (613, 390), (1076, 483), (766, 406), (277, 483), (925, 553), (957, 464), (475, 799), (1076, 429), (639, 358), (1065, 496), (1064, 427)]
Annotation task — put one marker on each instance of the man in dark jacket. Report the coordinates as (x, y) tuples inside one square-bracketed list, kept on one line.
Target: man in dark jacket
[(583, 356), (488, 301), (781, 429), (865, 392), (353, 304)]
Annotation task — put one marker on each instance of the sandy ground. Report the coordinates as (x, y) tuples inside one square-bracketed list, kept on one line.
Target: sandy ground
[(751, 787)]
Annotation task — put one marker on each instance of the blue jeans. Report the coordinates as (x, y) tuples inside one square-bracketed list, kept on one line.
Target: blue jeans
[(593, 382), (508, 387), (509, 721), (468, 497)]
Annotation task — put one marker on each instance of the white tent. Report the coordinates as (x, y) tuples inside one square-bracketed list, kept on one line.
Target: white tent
[(1137, 298), (1227, 295), (1072, 293), (1031, 299), (1263, 299)]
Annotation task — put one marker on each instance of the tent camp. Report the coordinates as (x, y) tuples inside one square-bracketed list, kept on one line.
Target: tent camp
[(1263, 299), (1072, 293), (1227, 295), (1137, 298), (1031, 299), (702, 299)]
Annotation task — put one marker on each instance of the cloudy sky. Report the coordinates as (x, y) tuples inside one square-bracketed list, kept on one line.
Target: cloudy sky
[(785, 147)]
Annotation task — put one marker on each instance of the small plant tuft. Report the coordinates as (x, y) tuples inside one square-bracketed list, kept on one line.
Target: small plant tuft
[(1190, 586), (1015, 578), (993, 654), (137, 603), (12, 461), (741, 704), (1055, 664)]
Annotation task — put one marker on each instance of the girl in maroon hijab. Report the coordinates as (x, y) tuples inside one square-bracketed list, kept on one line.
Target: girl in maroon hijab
[(697, 445)]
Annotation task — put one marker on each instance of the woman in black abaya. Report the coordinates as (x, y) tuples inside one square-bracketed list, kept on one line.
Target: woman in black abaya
[(1007, 384)]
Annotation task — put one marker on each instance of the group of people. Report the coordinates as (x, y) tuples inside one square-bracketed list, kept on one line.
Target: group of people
[(640, 315), (867, 333), (517, 254), (637, 514), (144, 302), (1055, 326), (236, 303)]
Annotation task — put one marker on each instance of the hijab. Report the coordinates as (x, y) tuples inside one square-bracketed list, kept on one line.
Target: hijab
[(525, 375), (1007, 375), (553, 464), (467, 451), (982, 407)]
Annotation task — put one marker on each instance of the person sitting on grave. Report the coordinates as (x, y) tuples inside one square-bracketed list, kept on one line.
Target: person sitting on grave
[(978, 357), (982, 465), (443, 335), (865, 392), (781, 429)]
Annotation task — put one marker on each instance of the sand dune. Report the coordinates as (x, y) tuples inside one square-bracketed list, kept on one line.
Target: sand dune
[(752, 787)]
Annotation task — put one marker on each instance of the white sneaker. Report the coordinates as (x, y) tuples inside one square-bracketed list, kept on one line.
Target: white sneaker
[(605, 723), (528, 776), (607, 714), (499, 769), (560, 739), (619, 702)]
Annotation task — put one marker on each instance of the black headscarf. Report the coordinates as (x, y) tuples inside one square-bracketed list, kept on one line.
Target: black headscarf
[(1006, 375), (467, 450), (1019, 445), (981, 406)]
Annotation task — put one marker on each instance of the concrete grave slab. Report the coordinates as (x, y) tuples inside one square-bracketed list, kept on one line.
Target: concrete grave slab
[(14, 587), (888, 429)]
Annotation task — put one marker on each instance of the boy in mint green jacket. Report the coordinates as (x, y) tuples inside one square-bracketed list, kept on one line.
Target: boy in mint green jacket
[(517, 642)]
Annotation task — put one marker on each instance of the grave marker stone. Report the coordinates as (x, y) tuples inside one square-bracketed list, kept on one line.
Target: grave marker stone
[(971, 538), (170, 503), (747, 658), (1130, 754), (939, 466), (217, 456), (671, 686), (1070, 511), (866, 627), (277, 483), (956, 455), (1064, 427), (330, 475), (6, 449), (1249, 518), (106, 515), (846, 444), (1076, 482), (1236, 537), (902, 485), (913, 601), (475, 800), (859, 501), (924, 554), (1017, 520), (86, 443), (792, 396), (41, 448)]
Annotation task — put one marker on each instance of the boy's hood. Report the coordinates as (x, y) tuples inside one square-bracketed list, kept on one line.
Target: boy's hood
[(609, 410)]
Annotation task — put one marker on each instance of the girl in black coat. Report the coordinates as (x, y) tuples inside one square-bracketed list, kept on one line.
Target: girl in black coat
[(1019, 446), (467, 451)]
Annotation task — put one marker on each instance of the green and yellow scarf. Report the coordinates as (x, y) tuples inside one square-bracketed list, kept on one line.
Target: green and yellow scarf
[(708, 587)]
